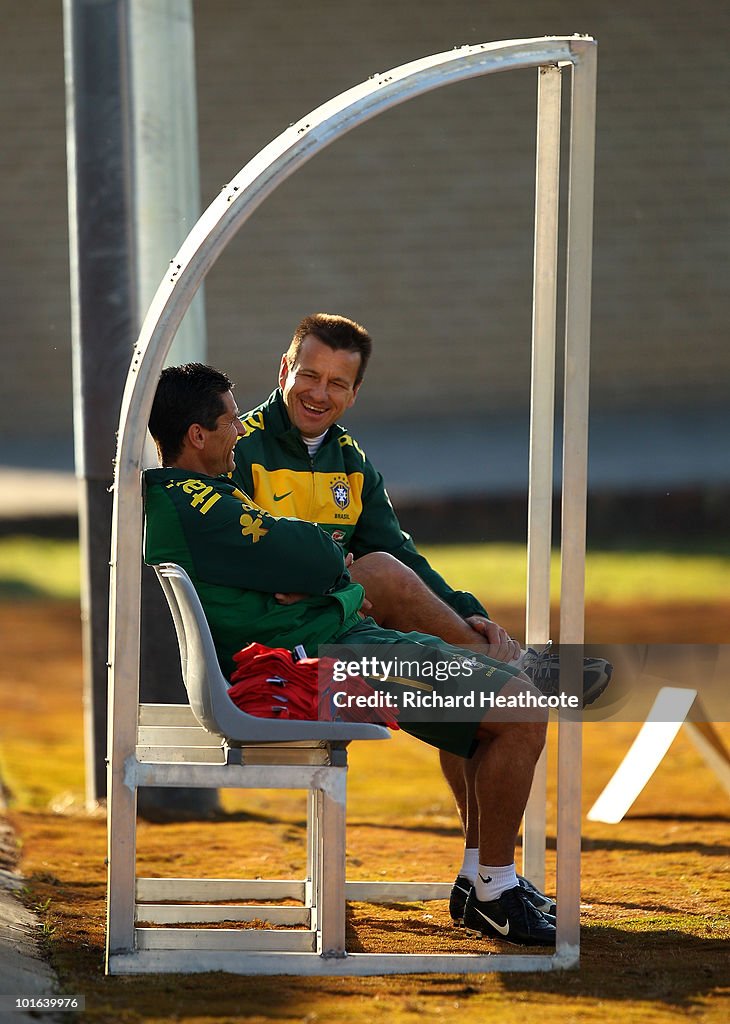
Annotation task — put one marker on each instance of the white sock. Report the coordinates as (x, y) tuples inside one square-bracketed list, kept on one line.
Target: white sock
[(492, 881), (470, 864)]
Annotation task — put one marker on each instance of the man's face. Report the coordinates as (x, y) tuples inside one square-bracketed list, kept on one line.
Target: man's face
[(319, 386), (218, 451)]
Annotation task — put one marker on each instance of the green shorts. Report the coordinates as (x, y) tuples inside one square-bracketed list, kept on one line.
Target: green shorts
[(455, 737)]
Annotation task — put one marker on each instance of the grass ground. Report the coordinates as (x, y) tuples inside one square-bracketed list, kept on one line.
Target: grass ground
[(655, 889), (35, 567)]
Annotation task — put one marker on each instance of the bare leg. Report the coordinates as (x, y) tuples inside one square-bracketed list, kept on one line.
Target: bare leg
[(453, 769), (401, 600), (459, 773), (502, 772), (491, 788)]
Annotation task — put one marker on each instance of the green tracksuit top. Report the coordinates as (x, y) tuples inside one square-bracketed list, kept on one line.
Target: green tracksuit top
[(339, 489), (238, 556)]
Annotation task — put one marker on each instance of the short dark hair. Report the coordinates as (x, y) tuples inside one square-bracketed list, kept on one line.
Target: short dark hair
[(185, 395), (336, 331)]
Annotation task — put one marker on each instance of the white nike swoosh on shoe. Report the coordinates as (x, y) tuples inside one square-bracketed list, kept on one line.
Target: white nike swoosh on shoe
[(503, 929)]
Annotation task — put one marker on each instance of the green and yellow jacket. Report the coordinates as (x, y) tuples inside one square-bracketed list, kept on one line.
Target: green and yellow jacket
[(339, 489), (238, 556)]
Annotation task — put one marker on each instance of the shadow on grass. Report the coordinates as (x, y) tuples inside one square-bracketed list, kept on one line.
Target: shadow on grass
[(416, 828), (668, 968), (16, 589), (159, 816), (705, 849), (716, 819)]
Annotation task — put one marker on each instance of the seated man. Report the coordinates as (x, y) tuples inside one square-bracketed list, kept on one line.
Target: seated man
[(295, 459), (239, 558)]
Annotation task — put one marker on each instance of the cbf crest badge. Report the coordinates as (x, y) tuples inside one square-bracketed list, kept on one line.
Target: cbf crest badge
[(341, 493)]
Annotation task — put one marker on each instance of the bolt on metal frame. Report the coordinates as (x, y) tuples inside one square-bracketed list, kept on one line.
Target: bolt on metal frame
[(205, 243)]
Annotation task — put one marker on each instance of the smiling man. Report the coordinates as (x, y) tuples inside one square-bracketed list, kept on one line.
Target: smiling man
[(294, 459), (319, 383)]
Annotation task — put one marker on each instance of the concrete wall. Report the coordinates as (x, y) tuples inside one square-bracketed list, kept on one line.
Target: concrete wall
[(34, 282), (418, 223)]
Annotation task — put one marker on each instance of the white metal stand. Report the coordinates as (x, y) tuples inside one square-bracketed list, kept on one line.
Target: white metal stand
[(673, 708), (220, 222)]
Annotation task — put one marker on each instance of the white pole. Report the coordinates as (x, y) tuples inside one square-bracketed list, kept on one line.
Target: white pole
[(165, 148), (166, 205), (542, 425), (575, 482)]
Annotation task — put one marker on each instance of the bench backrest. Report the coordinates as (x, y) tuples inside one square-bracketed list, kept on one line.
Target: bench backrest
[(207, 687)]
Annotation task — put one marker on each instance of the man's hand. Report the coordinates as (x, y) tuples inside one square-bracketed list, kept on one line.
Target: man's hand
[(502, 646)]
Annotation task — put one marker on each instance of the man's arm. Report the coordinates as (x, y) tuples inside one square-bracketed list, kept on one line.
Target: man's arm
[(233, 542)]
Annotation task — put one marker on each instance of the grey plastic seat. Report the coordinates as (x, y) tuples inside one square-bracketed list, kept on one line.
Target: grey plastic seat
[(207, 687)]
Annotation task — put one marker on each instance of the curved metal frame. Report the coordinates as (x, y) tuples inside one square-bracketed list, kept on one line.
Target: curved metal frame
[(207, 240)]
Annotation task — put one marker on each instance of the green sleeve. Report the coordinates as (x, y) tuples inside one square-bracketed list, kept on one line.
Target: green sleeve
[(378, 529), (237, 544)]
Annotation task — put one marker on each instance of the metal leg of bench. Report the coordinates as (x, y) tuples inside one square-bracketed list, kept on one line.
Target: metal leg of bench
[(673, 707), (311, 880), (330, 887), (708, 743)]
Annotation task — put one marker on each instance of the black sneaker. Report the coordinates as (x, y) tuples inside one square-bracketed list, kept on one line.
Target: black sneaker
[(462, 887), (511, 918), (543, 668), (538, 899), (457, 901)]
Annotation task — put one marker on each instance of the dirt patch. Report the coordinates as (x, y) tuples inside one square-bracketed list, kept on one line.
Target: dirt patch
[(655, 889)]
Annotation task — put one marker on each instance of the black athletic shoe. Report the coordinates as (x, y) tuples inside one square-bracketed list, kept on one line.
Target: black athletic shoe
[(543, 668), (462, 887), (511, 918), (457, 901), (538, 899)]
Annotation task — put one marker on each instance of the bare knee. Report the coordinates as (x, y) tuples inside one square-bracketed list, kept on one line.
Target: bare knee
[(518, 713), (382, 564), (386, 581)]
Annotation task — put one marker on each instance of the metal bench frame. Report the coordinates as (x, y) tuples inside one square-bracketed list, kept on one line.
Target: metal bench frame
[(127, 948), (674, 708)]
